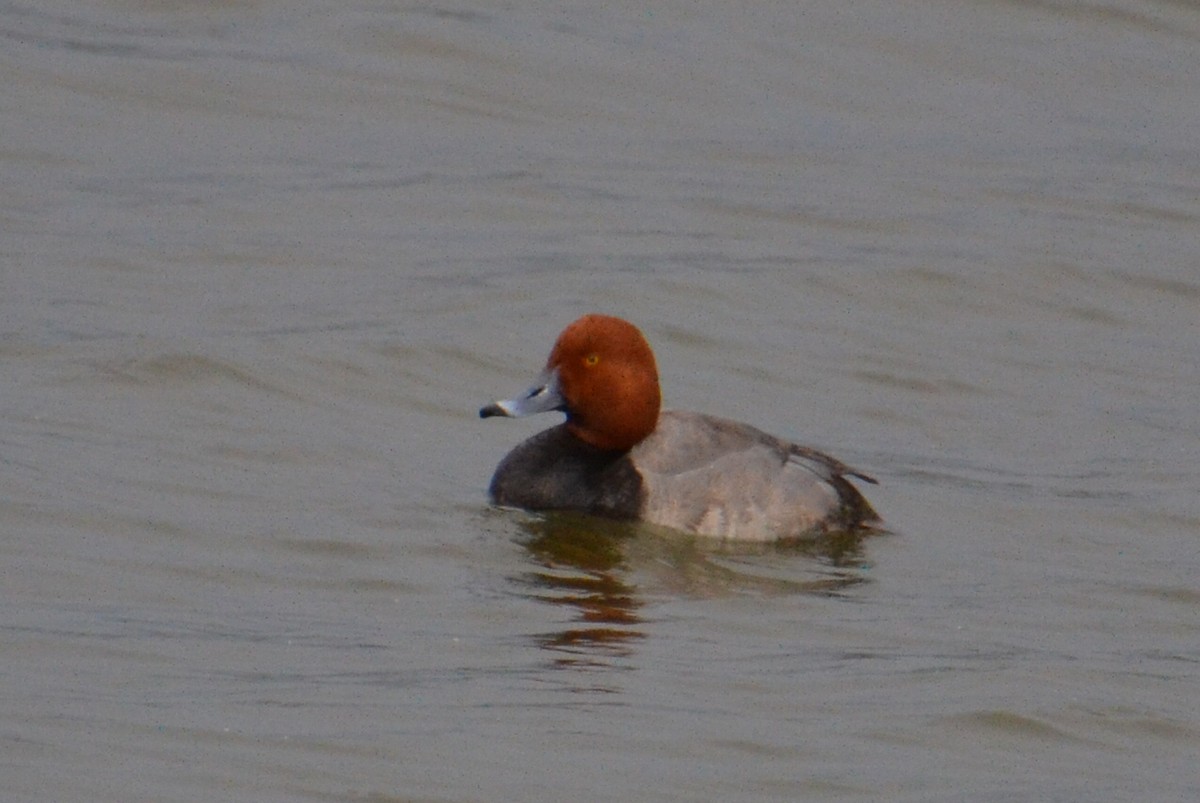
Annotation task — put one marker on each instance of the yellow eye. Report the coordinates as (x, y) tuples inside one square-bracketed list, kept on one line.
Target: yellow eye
[(592, 359)]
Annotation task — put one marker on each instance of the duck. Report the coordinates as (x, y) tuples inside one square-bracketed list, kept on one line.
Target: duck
[(620, 455)]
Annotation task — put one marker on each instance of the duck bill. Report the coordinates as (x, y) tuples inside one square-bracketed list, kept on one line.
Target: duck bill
[(543, 397)]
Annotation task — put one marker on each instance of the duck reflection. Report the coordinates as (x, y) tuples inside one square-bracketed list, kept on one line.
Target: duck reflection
[(681, 565), (583, 566), (604, 572)]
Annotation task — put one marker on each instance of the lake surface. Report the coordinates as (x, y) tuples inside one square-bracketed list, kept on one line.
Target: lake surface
[(262, 263)]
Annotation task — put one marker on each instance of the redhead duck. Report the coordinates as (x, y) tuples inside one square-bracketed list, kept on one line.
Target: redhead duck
[(619, 455)]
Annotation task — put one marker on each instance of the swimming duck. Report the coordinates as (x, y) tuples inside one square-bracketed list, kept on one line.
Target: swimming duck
[(618, 454)]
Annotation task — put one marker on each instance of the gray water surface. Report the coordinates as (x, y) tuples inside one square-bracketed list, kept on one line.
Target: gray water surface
[(262, 262)]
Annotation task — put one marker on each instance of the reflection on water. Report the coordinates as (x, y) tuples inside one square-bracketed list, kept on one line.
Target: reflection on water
[(605, 571), (582, 565)]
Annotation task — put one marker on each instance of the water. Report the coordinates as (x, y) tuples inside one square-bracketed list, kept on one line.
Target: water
[(263, 262)]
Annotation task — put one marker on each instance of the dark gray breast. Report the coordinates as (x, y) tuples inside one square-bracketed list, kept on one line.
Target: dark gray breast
[(554, 470)]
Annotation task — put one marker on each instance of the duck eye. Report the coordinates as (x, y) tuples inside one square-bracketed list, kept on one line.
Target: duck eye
[(592, 359)]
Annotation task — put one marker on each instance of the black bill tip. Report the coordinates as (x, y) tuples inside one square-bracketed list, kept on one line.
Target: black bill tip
[(491, 410)]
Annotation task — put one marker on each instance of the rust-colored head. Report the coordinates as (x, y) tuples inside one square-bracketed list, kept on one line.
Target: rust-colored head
[(609, 381), (601, 373)]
